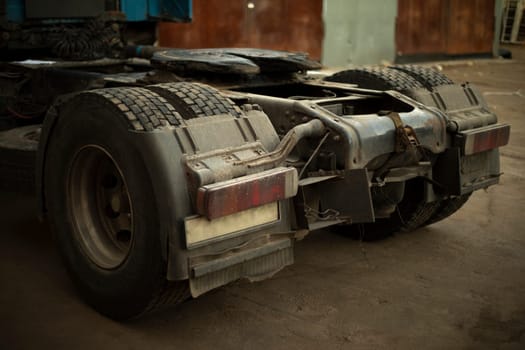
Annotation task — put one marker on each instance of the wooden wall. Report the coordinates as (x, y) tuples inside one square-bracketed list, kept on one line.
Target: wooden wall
[(444, 27), (424, 28), (293, 25)]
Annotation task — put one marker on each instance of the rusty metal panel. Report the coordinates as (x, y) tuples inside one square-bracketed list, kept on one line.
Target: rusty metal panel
[(470, 26), (444, 27), (291, 25), (421, 27), (214, 24)]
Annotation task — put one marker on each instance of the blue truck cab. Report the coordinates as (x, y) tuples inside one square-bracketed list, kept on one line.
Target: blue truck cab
[(18, 11)]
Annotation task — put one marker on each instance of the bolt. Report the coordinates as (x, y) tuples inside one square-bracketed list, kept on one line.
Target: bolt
[(115, 203)]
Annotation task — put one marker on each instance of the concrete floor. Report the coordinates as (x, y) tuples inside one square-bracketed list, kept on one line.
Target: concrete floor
[(458, 284)]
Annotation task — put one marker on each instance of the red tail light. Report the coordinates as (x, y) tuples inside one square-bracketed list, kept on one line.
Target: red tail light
[(484, 139), (232, 196)]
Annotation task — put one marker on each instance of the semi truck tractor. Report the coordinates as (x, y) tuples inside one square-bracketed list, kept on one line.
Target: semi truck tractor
[(165, 173)]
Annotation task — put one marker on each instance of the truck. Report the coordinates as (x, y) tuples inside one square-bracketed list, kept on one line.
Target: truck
[(165, 173)]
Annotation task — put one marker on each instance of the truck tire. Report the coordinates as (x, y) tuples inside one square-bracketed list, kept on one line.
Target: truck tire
[(101, 204), (196, 100), (18, 158), (431, 78), (428, 77), (376, 78), (448, 207), (412, 212)]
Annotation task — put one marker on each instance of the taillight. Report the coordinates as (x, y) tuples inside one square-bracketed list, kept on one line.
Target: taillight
[(232, 196), (484, 139)]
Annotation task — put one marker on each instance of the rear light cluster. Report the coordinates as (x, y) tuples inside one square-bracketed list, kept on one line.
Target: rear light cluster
[(232, 196), (484, 139)]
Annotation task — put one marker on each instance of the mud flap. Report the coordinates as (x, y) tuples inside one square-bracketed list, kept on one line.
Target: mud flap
[(334, 198), (460, 175), (254, 264)]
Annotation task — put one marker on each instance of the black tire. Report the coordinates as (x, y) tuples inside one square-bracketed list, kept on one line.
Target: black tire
[(428, 77), (376, 78), (431, 78), (18, 149), (448, 207), (92, 157), (196, 100), (412, 212)]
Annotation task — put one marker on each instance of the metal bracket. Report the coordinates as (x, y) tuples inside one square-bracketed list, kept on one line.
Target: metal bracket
[(406, 138)]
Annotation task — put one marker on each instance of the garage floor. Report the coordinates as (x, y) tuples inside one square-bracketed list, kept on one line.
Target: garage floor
[(458, 284)]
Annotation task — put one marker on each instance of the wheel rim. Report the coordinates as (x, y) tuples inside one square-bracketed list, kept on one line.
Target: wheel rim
[(100, 207)]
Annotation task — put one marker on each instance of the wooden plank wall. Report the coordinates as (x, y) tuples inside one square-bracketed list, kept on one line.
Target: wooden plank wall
[(293, 25), (471, 26), (437, 28), (444, 27)]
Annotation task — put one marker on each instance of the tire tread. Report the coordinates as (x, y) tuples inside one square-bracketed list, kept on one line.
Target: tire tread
[(143, 109), (377, 78), (195, 100), (448, 207), (428, 77)]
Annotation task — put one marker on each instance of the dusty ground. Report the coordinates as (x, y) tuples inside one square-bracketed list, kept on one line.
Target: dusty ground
[(459, 284)]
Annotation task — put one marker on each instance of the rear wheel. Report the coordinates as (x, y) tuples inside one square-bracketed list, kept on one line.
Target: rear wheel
[(101, 203), (412, 211), (431, 79)]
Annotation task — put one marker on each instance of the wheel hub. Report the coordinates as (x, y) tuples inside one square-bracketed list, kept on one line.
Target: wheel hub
[(100, 207)]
